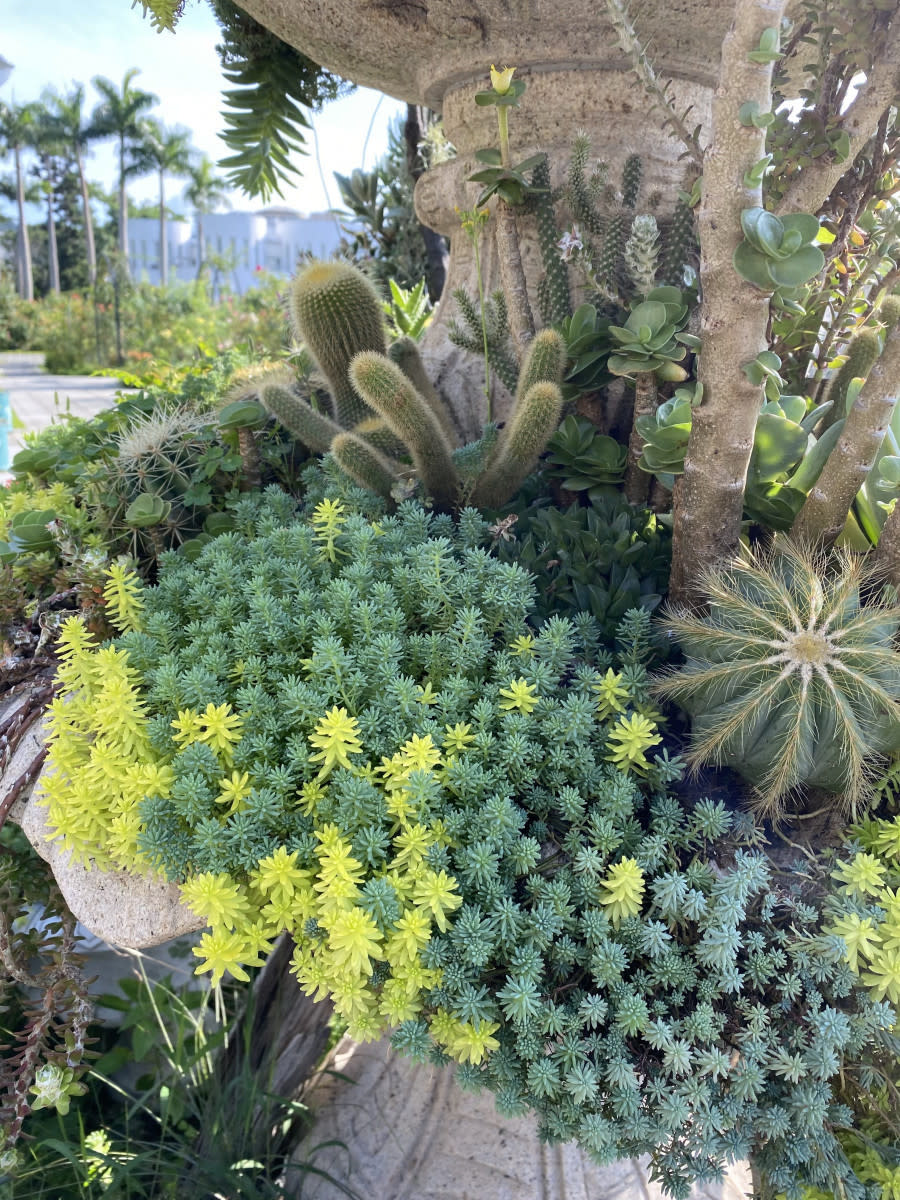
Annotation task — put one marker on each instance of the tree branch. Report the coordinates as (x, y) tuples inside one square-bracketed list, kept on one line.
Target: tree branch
[(814, 183), (733, 316), (822, 517)]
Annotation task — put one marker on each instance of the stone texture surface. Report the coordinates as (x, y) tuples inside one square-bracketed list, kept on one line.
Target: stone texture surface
[(121, 908), (28, 749), (409, 1133), (416, 49)]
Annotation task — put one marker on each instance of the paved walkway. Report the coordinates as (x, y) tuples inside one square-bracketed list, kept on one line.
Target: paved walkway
[(38, 399)]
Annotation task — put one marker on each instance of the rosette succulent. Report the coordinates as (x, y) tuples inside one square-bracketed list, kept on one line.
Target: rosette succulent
[(651, 341), (778, 252)]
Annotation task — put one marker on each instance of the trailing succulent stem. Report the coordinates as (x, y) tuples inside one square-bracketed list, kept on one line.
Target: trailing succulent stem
[(646, 402)]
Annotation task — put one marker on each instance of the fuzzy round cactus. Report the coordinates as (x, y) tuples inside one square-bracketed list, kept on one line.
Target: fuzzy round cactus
[(337, 313)]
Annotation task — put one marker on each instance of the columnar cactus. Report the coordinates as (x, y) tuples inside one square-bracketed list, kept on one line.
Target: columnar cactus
[(336, 312)]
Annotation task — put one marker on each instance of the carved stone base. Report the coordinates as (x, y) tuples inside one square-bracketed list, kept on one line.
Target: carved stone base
[(412, 1134), (123, 909)]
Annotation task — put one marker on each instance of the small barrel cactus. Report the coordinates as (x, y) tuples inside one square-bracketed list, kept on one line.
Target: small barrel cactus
[(791, 678)]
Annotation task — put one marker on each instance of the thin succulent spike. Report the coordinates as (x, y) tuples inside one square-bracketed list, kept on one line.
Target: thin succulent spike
[(364, 464), (783, 775), (713, 744), (854, 746), (718, 593), (880, 695), (772, 590)]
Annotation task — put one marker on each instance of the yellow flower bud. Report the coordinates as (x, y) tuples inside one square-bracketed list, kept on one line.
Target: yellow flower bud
[(501, 80)]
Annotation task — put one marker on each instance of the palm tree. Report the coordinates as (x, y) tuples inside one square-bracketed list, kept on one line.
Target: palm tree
[(118, 115), (205, 193), (68, 112), (168, 152), (50, 143), (17, 132)]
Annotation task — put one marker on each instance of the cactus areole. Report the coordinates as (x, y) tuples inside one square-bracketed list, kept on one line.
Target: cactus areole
[(438, 52)]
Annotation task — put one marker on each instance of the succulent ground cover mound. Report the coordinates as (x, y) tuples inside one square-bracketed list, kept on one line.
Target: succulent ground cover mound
[(348, 730)]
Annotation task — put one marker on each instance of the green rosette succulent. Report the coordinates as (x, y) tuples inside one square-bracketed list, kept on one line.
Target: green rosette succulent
[(651, 341), (791, 678), (666, 433), (586, 335), (586, 460), (778, 252)]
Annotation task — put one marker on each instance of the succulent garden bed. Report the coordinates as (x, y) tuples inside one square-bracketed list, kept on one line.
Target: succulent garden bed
[(362, 684)]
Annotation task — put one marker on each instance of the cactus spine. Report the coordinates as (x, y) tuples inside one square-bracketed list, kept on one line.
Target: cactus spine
[(533, 423), (385, 388), (336, 311), (364, 464)]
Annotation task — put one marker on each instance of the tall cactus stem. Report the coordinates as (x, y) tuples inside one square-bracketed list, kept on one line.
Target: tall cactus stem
[(385, 388), (544, 362), (364, 464), (313, 429), (556, 302), (861, 355), (533, 423), (405, 353), (337, 313)]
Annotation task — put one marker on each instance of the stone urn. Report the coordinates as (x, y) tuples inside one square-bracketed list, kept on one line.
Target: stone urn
[(438, 53)]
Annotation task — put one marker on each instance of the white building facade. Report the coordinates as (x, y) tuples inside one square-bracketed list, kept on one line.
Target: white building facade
[(238, 245)]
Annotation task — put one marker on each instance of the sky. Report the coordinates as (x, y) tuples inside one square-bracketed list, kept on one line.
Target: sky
[(58, 42)]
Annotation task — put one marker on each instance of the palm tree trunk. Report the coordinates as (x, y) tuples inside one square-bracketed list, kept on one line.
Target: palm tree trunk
[(23, 247), (52, 247), (201, 245), (89, 245), (123, 209), (163, 248)]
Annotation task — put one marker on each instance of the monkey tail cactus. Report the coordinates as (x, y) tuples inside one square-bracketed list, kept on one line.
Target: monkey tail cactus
[(791, 679), (364, 464), (533, 423), (336, 311), (679, 246), (861, 355), (544, 362), (313, 429), (385, 388), (405, 353)]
